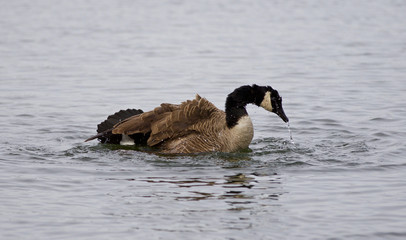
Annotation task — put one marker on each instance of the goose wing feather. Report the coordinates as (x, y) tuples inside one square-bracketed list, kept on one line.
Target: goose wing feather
[(171, 122), (142, 123), (191, 118)]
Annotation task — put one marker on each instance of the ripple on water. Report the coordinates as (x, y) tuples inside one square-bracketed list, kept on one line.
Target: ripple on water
[(280, 151), (235, 190), (277, 152), (341, 149)]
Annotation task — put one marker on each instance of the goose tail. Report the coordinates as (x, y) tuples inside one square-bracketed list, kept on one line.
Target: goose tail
[(104, 129)]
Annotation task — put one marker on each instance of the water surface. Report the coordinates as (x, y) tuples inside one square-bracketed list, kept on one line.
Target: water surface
[(339, 66)]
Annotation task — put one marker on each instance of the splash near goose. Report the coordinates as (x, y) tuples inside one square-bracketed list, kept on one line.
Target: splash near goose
[(193, 126)]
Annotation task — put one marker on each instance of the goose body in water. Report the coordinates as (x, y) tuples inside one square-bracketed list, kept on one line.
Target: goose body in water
[(193, 126)]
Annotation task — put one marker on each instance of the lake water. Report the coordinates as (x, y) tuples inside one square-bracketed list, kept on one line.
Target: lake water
[(339, 65)]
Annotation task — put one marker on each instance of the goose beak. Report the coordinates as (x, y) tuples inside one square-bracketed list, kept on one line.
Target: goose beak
[(282, 114)]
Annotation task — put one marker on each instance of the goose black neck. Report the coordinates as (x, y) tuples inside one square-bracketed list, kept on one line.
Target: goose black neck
[(236, 102)]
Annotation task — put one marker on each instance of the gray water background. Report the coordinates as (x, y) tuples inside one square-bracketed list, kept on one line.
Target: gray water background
[(340, 67)]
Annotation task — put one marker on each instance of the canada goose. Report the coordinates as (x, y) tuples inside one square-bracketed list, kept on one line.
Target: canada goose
[(193, 126)]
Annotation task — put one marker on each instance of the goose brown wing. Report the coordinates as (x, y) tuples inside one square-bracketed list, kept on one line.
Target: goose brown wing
[(142, 123), (191, 117)]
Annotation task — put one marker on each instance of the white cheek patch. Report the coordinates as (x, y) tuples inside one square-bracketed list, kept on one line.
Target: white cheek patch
[(266, 103)]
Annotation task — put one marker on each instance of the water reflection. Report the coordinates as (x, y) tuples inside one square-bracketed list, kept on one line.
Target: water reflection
[(239, 180), (238, 191)]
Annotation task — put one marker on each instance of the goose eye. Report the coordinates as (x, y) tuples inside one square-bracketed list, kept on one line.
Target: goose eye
[(275, 103)]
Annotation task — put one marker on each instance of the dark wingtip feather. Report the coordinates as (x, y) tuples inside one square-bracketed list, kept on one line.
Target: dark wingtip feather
[(104, 129), (117, 117)]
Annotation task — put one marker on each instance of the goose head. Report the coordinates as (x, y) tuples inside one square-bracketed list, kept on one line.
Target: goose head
[(269, 99)]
